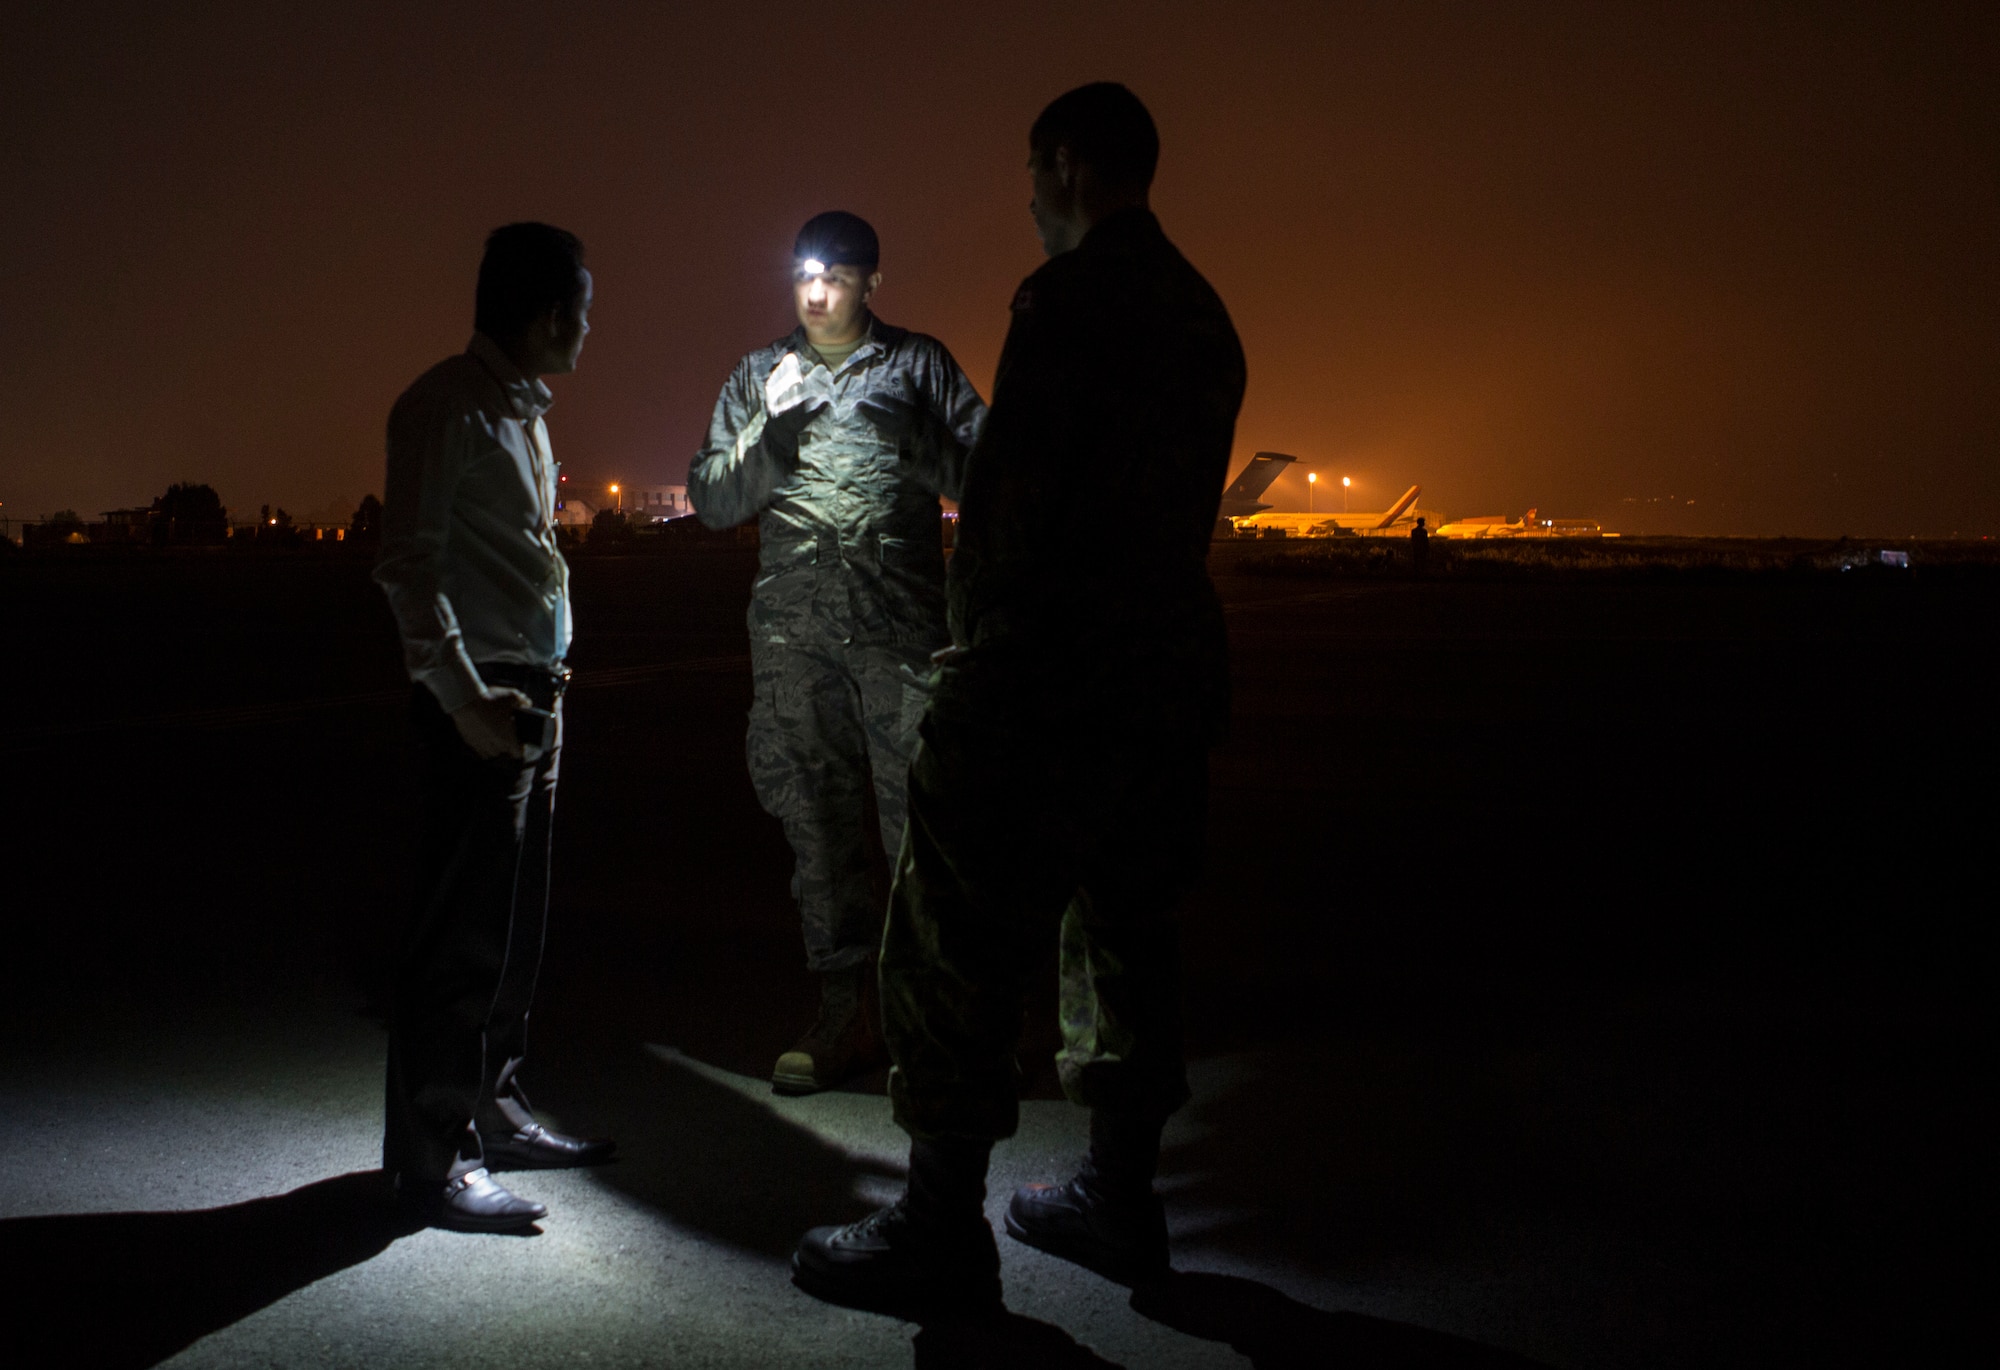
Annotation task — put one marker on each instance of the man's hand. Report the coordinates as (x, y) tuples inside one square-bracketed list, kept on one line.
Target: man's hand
[(487, 723), (780, 438), (785, 387), (790, 403)]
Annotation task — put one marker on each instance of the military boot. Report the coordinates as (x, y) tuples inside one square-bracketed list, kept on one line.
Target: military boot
[(1106, 1217), (931, 1251), (842, 1042)]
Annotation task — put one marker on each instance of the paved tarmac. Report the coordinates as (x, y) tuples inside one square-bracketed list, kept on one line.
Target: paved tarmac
[(240, 1222), (1587, 976)]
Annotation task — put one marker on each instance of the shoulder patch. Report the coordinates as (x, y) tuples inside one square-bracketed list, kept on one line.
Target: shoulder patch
[(1024, 300)]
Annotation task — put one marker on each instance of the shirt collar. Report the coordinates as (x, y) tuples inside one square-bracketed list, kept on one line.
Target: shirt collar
[(872, 341), (526, 396)]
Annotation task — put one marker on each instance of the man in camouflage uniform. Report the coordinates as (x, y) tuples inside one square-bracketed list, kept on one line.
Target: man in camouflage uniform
[(1059, 791), (838, 439)]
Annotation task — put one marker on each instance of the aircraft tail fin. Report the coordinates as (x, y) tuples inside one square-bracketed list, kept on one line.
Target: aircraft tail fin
[(1253, 480), (1397, 509)]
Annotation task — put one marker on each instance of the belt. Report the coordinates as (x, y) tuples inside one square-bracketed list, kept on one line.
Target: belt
[(543, 684), (865, 550)]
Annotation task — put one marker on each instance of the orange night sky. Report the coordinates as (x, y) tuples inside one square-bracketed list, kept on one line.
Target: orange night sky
[(1733, 268)]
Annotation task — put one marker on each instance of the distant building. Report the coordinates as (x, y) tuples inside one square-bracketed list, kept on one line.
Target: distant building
[(123, 525), (655, 503), (53, 533), (574, 513)]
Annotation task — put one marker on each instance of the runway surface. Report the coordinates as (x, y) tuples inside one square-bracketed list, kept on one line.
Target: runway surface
[(1590, 973)]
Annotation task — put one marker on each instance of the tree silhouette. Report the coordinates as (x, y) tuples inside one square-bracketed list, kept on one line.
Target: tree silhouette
[(190, 513), (609, 529), (367, 523)]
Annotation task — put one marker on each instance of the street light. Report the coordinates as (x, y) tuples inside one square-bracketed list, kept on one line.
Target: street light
[(1312, 479), (1345, 484), (620, 498)]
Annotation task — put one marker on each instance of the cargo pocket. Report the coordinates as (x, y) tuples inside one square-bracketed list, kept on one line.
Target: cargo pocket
[(771, 773)]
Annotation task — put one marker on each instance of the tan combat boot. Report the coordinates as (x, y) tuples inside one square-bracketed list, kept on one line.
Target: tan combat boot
[(842, 1042)]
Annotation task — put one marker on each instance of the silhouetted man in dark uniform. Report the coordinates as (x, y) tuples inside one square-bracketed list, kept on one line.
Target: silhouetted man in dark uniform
[(1059, 788), (481, 597)]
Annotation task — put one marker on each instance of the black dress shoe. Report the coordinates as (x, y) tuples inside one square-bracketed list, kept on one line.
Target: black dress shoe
[(534, 1147), (474, 1202), (1123, 1238), (889, 1263)]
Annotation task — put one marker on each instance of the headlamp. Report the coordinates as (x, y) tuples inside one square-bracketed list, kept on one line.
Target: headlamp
[(813, 266)]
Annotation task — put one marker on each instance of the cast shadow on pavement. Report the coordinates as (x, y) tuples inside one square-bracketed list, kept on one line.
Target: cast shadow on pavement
[(1280, 1333), (1390, 1145), (1275, 1332), (720, 1162), (1000, 1341), (127, 1290)]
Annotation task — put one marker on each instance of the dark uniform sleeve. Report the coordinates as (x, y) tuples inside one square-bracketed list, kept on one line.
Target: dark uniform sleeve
[(734, 475), (1116, 399), (961, 414), (1022, 480)]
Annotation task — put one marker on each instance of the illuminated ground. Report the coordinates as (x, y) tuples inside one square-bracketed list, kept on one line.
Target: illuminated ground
[(675, 1257), (1587, 974)]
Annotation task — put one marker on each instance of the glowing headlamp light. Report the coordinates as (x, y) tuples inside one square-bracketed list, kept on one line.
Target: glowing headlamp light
[(813, 266)]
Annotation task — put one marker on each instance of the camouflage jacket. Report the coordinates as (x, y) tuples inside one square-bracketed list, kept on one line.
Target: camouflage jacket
[(850, 537)]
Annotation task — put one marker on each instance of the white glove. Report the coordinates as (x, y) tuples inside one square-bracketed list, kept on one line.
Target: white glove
[(785, 387), (790, 385)]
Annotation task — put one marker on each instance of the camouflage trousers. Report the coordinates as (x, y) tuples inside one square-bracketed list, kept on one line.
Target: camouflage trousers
[(826, 720), (1039, 812)]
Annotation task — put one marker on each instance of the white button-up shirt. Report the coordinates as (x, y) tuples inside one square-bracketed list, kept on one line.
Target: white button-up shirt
[(469, 557)]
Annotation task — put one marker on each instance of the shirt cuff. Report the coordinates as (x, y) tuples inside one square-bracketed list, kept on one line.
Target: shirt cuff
[(455, 682)]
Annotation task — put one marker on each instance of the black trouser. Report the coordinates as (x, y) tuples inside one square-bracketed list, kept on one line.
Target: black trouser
[(1042, 810), (459, 1023)]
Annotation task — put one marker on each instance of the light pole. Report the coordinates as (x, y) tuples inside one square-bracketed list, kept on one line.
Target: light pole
[(1345, 485), (618, 497), (1312, 479)]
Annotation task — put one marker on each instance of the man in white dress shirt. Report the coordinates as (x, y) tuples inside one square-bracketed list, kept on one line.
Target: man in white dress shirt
[(481, 597)]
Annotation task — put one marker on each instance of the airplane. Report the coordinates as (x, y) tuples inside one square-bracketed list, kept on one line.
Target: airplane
[(1395, 521), (1529, 525), (1240, 499), (1391, 523), (1246, 513)]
